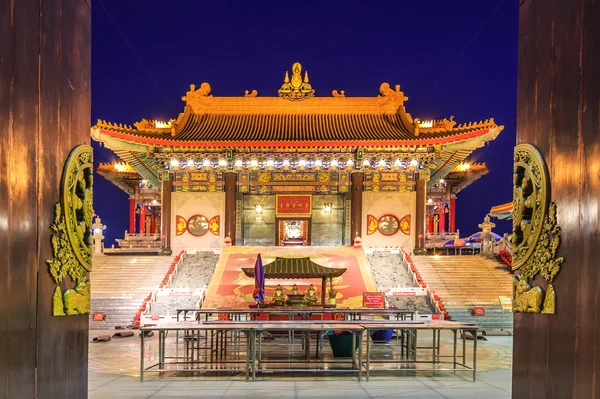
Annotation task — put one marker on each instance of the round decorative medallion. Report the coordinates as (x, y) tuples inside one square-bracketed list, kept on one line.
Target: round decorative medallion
[(198, 225), (530, 202), (388, 225), (77, 183)]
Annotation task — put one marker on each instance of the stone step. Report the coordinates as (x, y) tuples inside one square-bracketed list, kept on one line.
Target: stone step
[(463, 282)]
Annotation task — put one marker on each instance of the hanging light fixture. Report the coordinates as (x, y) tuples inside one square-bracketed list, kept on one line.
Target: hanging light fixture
[(334, 163), (258, 208), (328, 208), (414, 162), (174, 163)]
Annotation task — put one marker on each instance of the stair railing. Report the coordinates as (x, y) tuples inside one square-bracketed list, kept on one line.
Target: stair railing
[(151, 298)]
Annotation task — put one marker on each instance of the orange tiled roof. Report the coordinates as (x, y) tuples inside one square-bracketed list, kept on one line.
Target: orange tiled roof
[(258, 121)]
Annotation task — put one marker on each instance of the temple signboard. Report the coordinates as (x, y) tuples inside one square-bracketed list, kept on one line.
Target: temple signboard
[(373, 299), (294, 205)]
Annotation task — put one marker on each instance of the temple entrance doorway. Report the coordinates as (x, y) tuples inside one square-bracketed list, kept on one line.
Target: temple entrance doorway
[(293, 231)]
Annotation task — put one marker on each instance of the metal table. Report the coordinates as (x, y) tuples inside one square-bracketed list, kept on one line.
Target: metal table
[(306, 327), (216, 351), (305, 313), (436, 327)]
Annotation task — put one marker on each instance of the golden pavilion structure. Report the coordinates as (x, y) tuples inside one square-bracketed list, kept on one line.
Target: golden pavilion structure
[(293, 169)]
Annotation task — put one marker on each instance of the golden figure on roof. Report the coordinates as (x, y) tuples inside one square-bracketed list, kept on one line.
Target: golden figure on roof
[(296, 88)]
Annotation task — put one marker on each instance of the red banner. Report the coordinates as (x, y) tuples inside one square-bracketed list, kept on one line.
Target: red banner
[(373, 299), (294, 205)]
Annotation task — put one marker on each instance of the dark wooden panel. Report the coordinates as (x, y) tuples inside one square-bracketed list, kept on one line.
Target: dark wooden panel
[(64, 123), (559, 112), (6, 33), (45, 109), (21, 207)]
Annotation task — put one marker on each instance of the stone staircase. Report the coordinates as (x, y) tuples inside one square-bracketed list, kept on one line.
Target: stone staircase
[(121, 283), (463, 282)]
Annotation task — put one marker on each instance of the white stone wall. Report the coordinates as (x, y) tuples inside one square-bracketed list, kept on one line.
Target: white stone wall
[(398, 204), (189, 204)]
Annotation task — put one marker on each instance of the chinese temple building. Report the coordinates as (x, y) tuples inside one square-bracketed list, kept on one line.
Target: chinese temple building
[(296, 169)]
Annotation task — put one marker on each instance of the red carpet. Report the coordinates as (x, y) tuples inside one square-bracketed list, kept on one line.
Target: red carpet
[(230, 288)]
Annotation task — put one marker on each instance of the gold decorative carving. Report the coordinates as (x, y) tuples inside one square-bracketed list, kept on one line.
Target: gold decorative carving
[(536, 234), (252, 93), (391, 100), (199, 100), (71, 237), (296, 89), (549, 301), (154, 126), (58, 307), (77, 301), (526, 298), (340, 94)]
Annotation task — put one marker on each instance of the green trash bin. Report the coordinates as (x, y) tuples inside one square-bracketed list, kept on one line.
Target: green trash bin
[(341, 344)]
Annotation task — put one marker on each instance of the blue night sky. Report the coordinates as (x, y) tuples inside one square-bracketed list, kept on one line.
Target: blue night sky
[(450, 57)]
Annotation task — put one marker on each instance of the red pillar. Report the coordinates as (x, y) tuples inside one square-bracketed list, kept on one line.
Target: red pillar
[(442, 218), (452, 214), (429, 223), (143, 219), (153, 223), (131, 215)]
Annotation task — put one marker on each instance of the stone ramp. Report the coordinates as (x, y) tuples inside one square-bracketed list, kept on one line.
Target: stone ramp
[(121, 283), (463, 282), (194, 272), (389, 272), (230, 287)]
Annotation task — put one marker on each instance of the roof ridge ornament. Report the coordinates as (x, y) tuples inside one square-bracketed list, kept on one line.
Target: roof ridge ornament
[(391, 100), (199, 99), (296, 88)]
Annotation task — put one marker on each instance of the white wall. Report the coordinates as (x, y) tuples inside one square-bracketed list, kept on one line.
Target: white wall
[(398, 204), (189, 204)]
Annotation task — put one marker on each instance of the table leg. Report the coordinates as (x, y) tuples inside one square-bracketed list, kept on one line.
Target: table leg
[(142, 359), (454, 365), (474, 355), (368, 352), (307, 346), (161, 349), (359, 334), (248, 350), (433, 352), (464, 347), (253, 354)]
